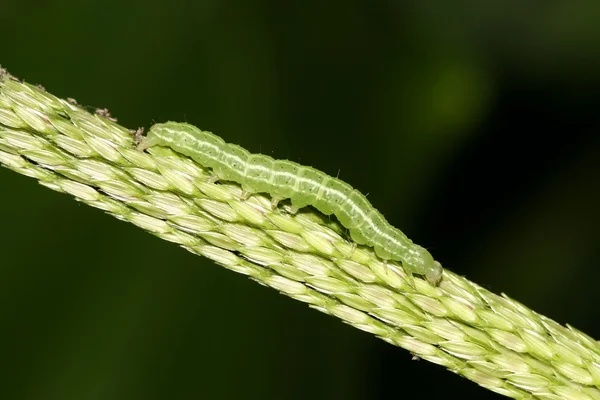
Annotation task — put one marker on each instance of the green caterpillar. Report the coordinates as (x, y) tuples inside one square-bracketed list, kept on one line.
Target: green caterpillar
[(304, 186)]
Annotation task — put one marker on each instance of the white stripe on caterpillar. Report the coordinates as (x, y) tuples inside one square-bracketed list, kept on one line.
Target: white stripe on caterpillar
[(284, 179)]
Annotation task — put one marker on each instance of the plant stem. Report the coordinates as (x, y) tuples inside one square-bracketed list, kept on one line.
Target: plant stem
[(492, 340)]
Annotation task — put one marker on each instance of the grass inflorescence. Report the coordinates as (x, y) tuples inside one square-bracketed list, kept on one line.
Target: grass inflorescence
[(492, 340)]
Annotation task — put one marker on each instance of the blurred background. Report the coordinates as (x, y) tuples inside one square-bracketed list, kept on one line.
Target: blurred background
[(473, 126)]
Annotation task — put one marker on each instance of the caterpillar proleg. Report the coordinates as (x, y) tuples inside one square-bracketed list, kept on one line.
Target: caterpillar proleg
[(304, 186)]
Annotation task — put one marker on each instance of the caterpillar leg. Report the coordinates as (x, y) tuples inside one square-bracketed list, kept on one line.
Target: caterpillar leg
[(213, 178), (274, 202), (245, 195), (353, 249)]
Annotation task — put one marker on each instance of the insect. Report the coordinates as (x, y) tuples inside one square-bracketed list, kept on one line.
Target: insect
[(304, 186)]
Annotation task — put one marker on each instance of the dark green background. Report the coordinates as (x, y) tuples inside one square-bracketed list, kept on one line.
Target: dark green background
[(473, 126)]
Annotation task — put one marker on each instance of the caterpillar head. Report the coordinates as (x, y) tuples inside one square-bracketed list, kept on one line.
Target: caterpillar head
[(423, 263), (434, 273)]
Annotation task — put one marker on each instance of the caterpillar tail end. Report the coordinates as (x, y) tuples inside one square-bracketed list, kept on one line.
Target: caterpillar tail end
[(145, 142), (142, 145)]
